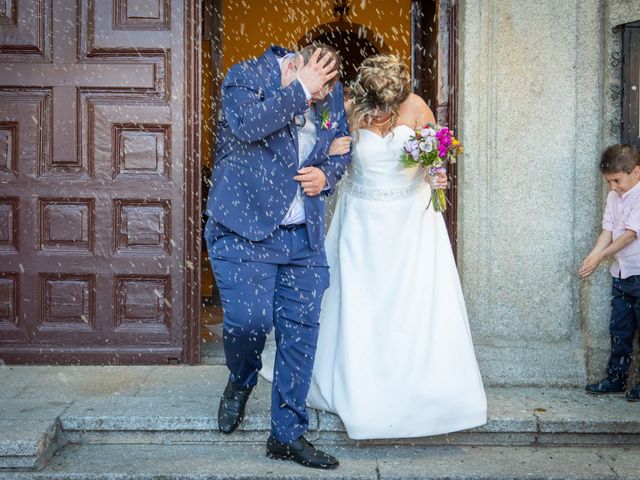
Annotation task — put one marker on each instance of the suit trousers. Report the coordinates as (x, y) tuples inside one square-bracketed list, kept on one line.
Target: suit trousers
[(276, 283)]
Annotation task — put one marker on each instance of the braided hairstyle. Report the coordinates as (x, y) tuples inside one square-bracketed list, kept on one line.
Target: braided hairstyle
[(382, 85)]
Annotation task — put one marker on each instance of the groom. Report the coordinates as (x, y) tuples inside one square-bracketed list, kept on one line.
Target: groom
[(265, 230)]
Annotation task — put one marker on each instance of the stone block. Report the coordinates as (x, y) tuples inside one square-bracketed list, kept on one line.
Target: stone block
[(27, 444)]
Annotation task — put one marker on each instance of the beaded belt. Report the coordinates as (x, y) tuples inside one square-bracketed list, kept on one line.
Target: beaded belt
[(368, 193)]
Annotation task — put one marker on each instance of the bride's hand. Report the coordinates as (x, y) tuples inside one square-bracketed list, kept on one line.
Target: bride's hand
[(340, 146), (439, 181)]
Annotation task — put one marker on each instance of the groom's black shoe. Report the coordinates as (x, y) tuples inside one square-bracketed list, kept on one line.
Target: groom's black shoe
[(302, 452), (606, 385), (231, 409)]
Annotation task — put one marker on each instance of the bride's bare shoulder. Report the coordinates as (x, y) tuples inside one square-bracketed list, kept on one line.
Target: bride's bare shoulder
[(414, 111)]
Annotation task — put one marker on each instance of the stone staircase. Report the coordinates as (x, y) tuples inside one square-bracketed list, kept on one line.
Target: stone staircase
[(159, 422)]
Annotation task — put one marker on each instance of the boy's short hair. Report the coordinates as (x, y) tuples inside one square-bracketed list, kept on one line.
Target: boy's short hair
[(307, 51), (619, 158)]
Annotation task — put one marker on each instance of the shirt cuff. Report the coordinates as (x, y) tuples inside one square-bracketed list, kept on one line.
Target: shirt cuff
[(307, 93), (633, 228)]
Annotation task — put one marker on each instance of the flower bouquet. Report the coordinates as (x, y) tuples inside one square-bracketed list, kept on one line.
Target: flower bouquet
[(432, 147)]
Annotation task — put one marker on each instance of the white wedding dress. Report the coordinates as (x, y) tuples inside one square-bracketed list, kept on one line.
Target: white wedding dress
[(395, 356)]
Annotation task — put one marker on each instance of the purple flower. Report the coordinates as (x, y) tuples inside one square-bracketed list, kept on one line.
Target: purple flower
[(412, 147), (427, 132)]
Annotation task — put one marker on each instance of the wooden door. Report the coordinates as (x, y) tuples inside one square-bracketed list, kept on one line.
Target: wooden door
[(631, 84), (99, 186), (435, 72)]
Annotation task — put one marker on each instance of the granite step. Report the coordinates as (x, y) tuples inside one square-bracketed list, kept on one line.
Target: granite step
[(247, 461), (29, 431), (517, 416), (44, 408), (28, 444)]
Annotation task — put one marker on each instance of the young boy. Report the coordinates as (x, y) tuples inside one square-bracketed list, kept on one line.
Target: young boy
[(620, 165)]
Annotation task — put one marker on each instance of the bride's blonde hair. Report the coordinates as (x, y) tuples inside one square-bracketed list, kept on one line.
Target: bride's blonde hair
[(382, 84)]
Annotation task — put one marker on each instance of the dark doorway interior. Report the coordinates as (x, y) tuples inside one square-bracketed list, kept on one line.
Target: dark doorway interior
[(354, 42), (434, 67)]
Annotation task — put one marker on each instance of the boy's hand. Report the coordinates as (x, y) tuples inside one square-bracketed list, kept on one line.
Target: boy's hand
[(590, 264)]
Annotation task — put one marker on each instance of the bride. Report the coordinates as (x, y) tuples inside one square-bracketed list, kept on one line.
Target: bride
[(395, 356)]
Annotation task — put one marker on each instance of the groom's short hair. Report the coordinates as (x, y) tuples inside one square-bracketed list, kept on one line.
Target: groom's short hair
[(307, 51)]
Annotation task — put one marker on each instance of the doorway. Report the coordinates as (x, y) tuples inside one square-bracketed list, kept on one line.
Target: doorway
[(419, 31)]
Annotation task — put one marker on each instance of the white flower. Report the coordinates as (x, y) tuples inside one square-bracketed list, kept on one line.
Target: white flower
[(426, 146)]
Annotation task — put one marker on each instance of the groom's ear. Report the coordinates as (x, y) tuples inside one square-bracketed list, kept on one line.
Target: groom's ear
[(297, 62)]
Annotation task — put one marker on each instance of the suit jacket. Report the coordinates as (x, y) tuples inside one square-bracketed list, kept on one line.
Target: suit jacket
[(257, 153)]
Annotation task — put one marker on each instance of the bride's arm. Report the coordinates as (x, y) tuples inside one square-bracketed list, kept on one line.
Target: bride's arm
[(342, 145), (416, 113)]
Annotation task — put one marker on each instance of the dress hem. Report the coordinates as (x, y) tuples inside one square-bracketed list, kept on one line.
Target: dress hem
[(465, 424)]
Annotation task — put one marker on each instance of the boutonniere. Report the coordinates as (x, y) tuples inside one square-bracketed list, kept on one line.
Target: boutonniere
[(327, 124)]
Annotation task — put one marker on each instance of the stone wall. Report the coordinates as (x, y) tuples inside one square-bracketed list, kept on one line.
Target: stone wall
[(535, 110), (616, 13)]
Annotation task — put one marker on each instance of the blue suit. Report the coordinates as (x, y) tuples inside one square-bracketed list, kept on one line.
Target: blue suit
[(270, 275)]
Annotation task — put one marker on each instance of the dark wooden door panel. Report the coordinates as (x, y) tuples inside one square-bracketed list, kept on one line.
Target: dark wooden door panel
[(631, 85), (435, 71), (96, 182)]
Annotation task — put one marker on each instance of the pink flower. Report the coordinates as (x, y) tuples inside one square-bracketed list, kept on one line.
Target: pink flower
[(444, 136)]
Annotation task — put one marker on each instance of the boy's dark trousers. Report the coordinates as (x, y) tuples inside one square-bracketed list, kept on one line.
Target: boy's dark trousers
[(625, 318)]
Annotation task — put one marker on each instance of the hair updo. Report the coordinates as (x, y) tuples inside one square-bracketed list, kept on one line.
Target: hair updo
[(382, 84)]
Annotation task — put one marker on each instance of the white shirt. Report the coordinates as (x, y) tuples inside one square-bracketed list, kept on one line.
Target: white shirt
[(307, 138)]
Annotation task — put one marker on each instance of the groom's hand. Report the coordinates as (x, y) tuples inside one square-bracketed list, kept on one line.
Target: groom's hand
[(312, 180), (317, 72)]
